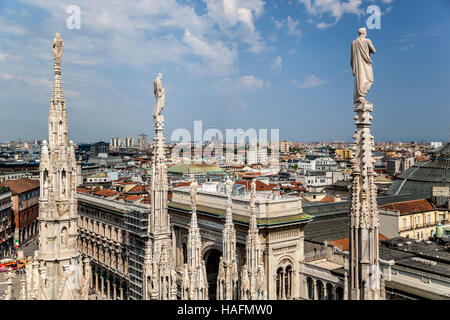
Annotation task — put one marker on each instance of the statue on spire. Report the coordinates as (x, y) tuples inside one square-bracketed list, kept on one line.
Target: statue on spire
[(57, 48), (160, 95), (362, 65)]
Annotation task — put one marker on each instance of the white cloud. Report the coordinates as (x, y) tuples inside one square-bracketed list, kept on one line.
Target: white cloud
[(236, 18), (150, 32), (221, 58), (405, 47), (9, 27), (290, 24), (250, 82), (277, 64), (239, 86), (309, 82), (33, 81), (334, 9)]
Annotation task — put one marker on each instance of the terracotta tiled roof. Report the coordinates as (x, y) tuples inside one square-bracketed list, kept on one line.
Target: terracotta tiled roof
[(147, 199), (343, 243), (260, 186), (327, 199), (408, 207), (21, 185), (132, 198), (182, 184), (138, 188), (84, 190), (105, 193)]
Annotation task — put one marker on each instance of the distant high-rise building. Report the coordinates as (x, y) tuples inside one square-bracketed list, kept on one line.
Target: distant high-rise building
[(115, 143), (99, 147), (142, 141), (128, 142), (285, 146)]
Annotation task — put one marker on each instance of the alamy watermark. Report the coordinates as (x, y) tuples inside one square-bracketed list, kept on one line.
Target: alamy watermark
[(374, 20), (74, 19)]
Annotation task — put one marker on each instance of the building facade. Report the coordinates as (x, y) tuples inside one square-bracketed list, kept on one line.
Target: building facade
[(280, 222), (25, 205), (102, 238), (414, 219), (6, 223)]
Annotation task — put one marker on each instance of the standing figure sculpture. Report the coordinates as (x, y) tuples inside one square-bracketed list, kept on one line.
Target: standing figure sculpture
[(193, 189), (362, 65), (57, 48), (160, 95)]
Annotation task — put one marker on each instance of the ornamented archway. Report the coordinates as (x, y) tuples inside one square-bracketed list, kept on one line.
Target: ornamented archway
[(285, 279)]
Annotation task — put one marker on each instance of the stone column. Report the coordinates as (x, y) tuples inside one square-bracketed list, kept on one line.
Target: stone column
[(346, 286), (23, 294), (102, 286), (121, 293), (114, 291), (108, 289), (325, 292), (283, 284), (96, 282), (314, 290), (9, 276)]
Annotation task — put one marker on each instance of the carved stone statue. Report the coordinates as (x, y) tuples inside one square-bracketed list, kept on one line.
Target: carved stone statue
[(253, 193), (160, 95), (362, 65), (193, 191), (229, 186), (57, 48)]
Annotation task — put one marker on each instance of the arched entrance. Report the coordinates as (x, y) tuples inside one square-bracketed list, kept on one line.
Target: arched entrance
[(310, 284), (339, 293), (212, 258), (330, 295), (320, 289)]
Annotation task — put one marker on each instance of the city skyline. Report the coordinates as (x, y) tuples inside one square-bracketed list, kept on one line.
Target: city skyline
[(254, 63)]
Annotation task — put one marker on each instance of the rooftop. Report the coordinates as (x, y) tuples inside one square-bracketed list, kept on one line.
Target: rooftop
[(409, 207), (21, 185), (191, 168)]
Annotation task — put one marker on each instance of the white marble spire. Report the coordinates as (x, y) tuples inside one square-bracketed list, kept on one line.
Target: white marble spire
[(364, 221), (194, 280), (57, 271), (228, 278), (253, 284), (163, 277)]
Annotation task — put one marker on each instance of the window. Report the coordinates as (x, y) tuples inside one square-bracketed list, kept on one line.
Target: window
[(404, 224), (428, 219)]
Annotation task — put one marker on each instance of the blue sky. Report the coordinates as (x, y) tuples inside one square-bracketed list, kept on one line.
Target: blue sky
[(230, 63)]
